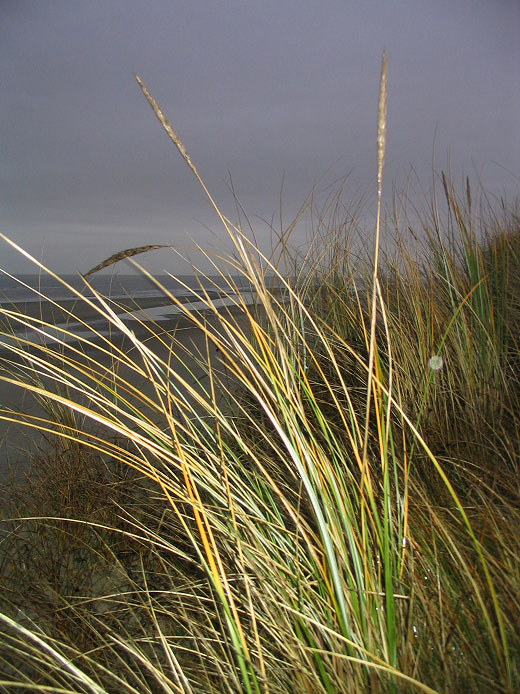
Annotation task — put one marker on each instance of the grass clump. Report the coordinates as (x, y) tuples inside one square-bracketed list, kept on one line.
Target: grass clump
[(323, 497)]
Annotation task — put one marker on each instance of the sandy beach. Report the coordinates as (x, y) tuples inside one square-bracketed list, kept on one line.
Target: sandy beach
[(17, 441)]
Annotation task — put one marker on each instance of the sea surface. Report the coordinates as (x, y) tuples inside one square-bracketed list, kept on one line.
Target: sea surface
[(27, 288)]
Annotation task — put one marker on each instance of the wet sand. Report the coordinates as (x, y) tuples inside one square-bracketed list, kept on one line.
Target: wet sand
[(81, 309), (17, 441)]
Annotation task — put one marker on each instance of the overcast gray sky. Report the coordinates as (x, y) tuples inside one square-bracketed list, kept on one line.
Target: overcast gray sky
[(258, 90)]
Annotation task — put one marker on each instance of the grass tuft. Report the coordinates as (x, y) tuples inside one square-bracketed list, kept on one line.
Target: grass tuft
[(319, 493)]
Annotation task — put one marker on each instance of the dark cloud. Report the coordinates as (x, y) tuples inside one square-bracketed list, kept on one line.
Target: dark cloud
[(256, 90)]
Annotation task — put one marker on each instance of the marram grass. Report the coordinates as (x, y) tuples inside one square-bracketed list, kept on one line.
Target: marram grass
[(299, 503)]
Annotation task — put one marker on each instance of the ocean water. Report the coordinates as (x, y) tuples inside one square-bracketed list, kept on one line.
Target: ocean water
[(27, 288)]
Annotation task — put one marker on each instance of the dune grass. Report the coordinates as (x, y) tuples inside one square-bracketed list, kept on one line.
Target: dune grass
[(332, 508)]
